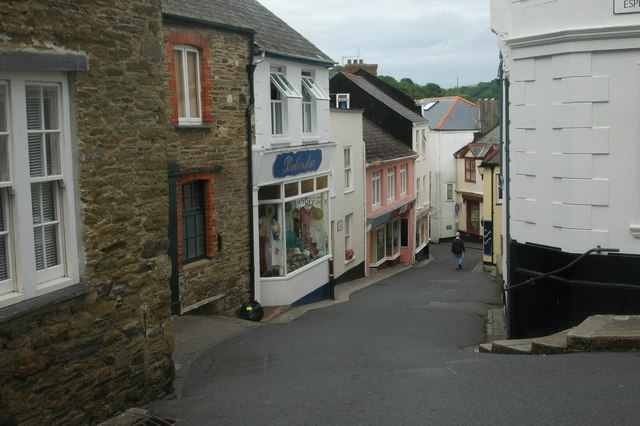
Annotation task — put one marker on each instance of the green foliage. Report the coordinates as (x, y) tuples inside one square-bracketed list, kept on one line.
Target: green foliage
[(472, 93)]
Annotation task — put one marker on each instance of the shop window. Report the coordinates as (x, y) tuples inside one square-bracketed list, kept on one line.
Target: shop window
[(293, 232)]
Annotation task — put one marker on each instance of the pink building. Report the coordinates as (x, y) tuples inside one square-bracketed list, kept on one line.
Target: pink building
[(390, 199)]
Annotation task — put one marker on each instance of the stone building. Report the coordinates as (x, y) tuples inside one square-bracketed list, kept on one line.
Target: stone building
[(84, 315), (208, 156)]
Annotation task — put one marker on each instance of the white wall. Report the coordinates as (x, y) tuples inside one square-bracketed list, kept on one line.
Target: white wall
[(574, 133), (346, 130), (443, 164)]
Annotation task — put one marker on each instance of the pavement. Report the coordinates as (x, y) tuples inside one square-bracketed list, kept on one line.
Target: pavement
[(195, 334)]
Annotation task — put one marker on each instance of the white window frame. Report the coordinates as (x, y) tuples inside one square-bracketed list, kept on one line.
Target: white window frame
[(343, 100), (375, 188), (499, 188), (313, 87), (391, 184), (403, 179), (424, 143), (418, 193), (308, 112), (188, 120), (348, 169), (26, 281), (286, 91), (348, 220), (453, 191)]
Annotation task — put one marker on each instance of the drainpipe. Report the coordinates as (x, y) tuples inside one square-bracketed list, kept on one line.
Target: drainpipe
[(506, 179), (248, 113)]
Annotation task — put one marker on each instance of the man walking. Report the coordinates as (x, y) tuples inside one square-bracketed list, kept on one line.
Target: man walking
[(457, 248)]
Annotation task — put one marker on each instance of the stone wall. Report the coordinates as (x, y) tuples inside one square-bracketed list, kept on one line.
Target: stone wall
[(224, 277), (80, 355)]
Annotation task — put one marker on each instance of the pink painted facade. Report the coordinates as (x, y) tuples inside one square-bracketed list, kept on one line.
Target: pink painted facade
[(390, 211)]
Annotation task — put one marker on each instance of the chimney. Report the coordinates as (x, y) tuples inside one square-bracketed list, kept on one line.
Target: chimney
[(489, 114), (359, 64)]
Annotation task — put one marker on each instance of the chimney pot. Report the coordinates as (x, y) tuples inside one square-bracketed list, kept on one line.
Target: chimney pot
[(361, 61)]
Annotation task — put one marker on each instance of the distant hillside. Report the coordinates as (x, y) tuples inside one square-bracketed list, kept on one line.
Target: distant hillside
[(489, 89)]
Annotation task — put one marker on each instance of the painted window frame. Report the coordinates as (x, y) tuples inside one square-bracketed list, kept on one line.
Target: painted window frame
[(375, 188), (191, 85), (391, 184), (348, 168), (280, 91), (470, 170), (450, 191), (28, 143), (499, 188), (403, 180)]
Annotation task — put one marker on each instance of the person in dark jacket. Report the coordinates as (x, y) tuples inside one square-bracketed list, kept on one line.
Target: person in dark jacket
[(457, 248)]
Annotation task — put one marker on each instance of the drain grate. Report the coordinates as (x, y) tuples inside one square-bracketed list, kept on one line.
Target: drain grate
[(155, 421)]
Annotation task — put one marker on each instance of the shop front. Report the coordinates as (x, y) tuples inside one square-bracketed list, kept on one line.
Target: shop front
[(389, 236), (291, 208)]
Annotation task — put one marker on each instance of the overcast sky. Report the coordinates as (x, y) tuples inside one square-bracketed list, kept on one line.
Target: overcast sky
[(429, 41)]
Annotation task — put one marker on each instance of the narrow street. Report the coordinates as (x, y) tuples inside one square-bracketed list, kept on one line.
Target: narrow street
[(398, 353)]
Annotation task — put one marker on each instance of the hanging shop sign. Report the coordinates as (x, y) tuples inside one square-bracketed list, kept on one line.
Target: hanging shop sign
[(626, 6), (294, 163)]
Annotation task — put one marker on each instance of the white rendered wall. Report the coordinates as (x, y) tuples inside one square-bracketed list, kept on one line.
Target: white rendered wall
[(574, 133), (443, 145), (346, 131)]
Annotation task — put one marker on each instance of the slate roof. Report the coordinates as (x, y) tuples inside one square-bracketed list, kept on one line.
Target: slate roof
[(382, 146), (272, 33), (451, 113), (387, 100)]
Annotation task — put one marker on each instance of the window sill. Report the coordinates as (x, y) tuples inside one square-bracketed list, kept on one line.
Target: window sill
[(193, 126), (353, 259), (43, 303)]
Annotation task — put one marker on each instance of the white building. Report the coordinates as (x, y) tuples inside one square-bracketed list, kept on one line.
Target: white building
[(292, 162), (453, 122), (572, 162), (348, 195)]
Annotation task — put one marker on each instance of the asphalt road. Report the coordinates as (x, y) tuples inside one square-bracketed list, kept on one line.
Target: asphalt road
[(397, 354)]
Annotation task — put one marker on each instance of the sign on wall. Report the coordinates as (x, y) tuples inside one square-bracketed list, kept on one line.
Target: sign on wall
[(294, 163), (626, 6)]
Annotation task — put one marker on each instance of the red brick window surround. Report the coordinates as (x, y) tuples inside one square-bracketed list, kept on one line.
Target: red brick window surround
[(196, 223), (469, 170), (182, 46)]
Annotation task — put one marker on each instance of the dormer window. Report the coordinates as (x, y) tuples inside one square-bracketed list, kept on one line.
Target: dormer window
[(342, 100)]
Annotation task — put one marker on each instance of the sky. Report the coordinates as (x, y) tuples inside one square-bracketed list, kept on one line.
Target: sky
[(447, 42)]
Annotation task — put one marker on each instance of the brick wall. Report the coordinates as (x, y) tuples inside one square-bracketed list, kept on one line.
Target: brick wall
[(224, 277), (80, 356)]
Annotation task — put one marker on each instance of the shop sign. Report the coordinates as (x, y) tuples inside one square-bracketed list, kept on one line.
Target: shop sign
[(626, 6), (294, 163)]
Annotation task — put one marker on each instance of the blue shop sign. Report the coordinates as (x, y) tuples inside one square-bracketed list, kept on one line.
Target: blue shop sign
[(294, 163)]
